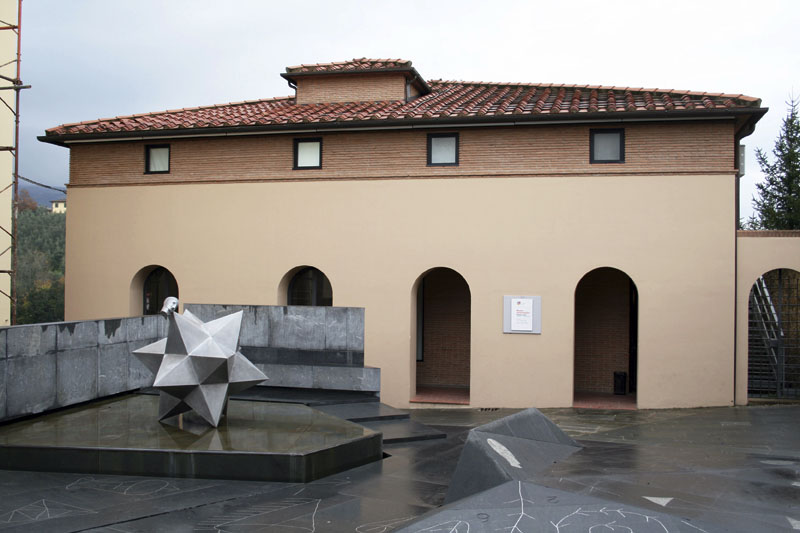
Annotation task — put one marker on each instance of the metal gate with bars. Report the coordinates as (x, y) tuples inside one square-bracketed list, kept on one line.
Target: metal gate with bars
[(774, 336)]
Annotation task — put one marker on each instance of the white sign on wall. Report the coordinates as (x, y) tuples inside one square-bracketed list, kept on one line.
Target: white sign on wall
[(522, 314)]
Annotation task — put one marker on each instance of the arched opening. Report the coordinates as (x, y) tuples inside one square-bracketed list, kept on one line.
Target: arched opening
[(309, 286), (443, 314), (606, 338), (773, 344), (150, 287)]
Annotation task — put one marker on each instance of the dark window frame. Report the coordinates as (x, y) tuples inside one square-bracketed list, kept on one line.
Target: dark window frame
[(147, 149), (592, 133), (299, 140), (432, 136)]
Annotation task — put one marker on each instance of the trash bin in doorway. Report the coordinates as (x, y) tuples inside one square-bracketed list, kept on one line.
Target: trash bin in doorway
[(620, 382)]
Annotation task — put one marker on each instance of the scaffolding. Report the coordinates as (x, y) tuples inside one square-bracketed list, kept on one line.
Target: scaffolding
[(12, 83)]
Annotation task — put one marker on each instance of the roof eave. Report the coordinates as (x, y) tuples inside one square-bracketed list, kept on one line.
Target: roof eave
[(745, 118)]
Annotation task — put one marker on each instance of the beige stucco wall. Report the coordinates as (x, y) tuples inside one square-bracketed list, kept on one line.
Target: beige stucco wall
[(234, 242), (8, 53), (756, 255)]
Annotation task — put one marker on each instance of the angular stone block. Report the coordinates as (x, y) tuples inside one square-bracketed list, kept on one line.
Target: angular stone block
[(73, 335), (76, 376), (25, 341), (516, 447), (111, 331), (297, 327), (3, 337), (30, 384), (336, 328), (355, 329), (144, 327), (299, 376), (112, 369)]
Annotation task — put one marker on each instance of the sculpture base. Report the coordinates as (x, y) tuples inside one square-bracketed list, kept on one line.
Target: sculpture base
[(255, 441)]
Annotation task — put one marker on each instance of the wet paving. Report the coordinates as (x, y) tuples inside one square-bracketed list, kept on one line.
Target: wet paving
[(717, 469)]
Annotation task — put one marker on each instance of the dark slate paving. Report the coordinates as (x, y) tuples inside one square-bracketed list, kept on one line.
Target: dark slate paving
[(689, 469)]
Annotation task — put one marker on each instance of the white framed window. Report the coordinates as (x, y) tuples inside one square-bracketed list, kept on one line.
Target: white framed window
[(442, 149), (607, 146), (307, 153), (156, 159)]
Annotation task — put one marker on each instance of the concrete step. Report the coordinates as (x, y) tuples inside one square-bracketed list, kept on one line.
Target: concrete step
[(310, 397), (404, 430), (364, 412)]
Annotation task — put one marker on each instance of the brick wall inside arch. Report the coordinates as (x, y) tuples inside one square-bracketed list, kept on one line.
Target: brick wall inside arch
[(446, 330), (602, 329)]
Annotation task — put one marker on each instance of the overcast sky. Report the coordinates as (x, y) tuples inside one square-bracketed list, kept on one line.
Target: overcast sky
[(89, 59)]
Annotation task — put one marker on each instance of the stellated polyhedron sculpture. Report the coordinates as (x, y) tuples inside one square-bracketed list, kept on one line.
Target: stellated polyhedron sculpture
[(198, 365)]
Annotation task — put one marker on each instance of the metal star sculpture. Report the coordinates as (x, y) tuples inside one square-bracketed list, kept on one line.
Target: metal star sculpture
[(198, 365)]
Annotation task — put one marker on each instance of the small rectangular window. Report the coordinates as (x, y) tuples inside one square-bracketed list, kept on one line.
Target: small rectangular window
[(442, 149), (307, 153), (156, 159), (607, 146)]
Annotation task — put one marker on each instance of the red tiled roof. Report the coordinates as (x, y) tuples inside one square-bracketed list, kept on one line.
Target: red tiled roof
[(355, 64), (455, 101)]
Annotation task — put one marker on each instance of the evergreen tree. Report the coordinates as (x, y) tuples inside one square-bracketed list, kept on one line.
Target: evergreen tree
[(40, 266), (777, 205)]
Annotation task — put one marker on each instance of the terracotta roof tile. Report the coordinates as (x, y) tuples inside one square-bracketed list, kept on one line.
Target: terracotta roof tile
[(446, 99), (355, 64)]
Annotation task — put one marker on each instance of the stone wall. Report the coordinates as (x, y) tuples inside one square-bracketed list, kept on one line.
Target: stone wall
[(47, 366), (303, 347)]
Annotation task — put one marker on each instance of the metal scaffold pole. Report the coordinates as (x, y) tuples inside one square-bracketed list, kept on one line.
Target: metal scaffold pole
[(16, 85)]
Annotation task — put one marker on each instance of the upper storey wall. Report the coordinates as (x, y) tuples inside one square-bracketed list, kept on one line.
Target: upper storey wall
[(351, 88), (672, 148)]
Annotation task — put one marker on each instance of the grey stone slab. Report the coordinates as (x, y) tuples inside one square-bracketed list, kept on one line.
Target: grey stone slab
[(73, 335), (297, 327), (347, 378), (31, 384), (355, 328), (336, 328), (145, 327), (112, 369), (26, 341), (255, 326), (3, 337), (3, 365), (112, 331), (301, 376), (76, 376)]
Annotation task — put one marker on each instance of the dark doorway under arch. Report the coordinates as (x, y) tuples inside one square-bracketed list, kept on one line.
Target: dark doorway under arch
[(606, 336), (443, 337), (158, 285), (309, 286), (773, 347)]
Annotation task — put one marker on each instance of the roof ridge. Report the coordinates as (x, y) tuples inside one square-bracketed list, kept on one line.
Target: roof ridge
[(362, 62)]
